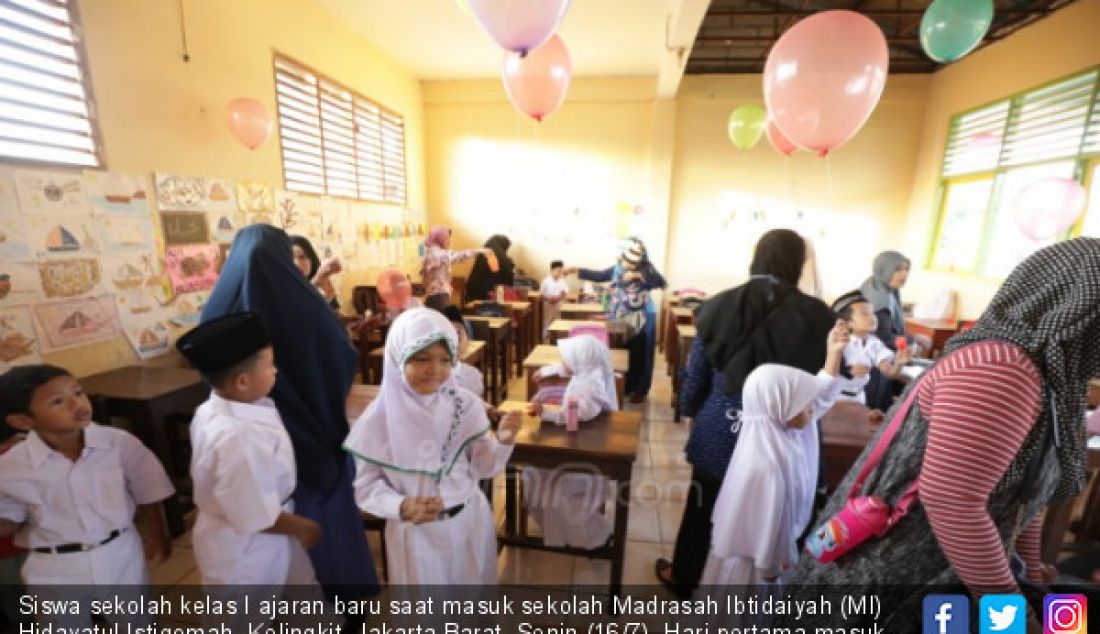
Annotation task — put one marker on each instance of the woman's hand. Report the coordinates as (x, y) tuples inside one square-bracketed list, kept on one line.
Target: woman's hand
[(420, 510), (331, 266), (569, 270)]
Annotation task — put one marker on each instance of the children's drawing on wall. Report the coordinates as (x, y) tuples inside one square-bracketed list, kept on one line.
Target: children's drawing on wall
[(181, 193), (132, 271), (120, 234), (53, 234), (51, 192), (110, 193), (144, 323), (288, 211), (224, 225), (18, 340), (221, 195), (184, 227), (78, 322), (186, 309), (9, 201), (14, 239), (19, 283), (254, 197), (192, 267), (69, 277)]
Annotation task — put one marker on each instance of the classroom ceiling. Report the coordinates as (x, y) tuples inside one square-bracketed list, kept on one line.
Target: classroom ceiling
[(736, 35), (435, 39)]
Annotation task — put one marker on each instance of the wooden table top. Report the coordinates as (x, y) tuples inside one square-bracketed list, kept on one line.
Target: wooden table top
[(516, 305), (565, 325), (140, 383), (846, 424), (544, 355), (495, 323), (933, 324), (592, 309), (610, 436), (473, 349), (687, 330), (680, 311)]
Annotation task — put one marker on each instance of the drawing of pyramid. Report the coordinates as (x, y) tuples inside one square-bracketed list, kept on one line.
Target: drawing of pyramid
[(76, 322), (148, 339), (61, 239), (224, 224)]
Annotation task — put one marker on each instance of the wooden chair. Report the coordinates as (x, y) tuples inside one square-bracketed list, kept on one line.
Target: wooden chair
[(378, 525), (365, 298), (372, 335), (458, 291)]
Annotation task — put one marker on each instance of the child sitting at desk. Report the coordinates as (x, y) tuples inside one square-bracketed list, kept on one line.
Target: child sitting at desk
[(569, 506), (554, 289), (864, 350)]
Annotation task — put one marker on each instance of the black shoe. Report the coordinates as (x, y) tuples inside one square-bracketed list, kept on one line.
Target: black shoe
[(663, 569)]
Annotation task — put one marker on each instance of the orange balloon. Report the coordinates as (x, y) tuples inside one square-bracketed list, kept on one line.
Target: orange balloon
[(537, 82), (248, 121), (394, 288)]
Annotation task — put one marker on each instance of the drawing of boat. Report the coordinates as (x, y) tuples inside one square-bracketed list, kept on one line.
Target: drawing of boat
[(128, 276), (61, 239)]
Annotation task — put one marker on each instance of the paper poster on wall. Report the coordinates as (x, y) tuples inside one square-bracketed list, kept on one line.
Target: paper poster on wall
[(288, 209), (181, 193), (18, 340), (51, 192), (9, 201), (110, 193), (53, 234), (77, 322), (184, 227), (120, 234), (221, 195), (69, 277), (255, 196), (143, 322), (19, 283), (192, 267), (14, 238), (224, 225), (263, 218), (186, 310), (138, 305), (131, 271)]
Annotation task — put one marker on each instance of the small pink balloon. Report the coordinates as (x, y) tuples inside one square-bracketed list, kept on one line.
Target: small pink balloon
[(248, 121), (781, 143), (537, 82), (519, 26), (983, 142), (1048, 206), (394, 288), (824, 77)]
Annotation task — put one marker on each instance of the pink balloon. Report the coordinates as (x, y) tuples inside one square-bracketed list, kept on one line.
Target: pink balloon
[(781, 143), (394, 288), (983, 142), (1048, 206), (248, 121), (537, 82), (824, 77), (519, 25)]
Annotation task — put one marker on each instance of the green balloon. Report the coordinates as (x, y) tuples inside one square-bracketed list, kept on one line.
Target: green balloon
[(952, 28), (746, 126)]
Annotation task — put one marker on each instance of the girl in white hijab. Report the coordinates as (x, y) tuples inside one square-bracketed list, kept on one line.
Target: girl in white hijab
[(569, 505), (767, 495), (421, 448)]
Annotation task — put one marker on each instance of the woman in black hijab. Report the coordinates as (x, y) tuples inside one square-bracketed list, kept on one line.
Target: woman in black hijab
[(766, 320), (482, 279), (305, 258)]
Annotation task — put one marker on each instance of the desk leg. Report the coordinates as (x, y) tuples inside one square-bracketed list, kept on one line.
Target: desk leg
[(510, 500), (618, 539), (494, 381), (521, 345), (506, 345), (155, 436)]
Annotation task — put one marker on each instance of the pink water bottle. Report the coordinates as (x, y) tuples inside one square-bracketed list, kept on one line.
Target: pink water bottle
[(572, 422)]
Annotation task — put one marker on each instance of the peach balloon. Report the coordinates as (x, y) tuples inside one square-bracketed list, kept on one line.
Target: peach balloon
[(781, 143), (248, 121), (536, 83)]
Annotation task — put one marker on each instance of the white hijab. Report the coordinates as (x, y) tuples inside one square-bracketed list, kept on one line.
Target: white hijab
[(410, 432), (589, 361), (767, 494)]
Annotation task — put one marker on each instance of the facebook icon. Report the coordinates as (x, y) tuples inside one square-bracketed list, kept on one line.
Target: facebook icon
[(946, 614)]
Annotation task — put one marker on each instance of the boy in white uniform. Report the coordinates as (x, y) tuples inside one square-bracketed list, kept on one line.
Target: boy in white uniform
[(242, 463), (466, 375), (554, 289), (69, 492), (864, 350)]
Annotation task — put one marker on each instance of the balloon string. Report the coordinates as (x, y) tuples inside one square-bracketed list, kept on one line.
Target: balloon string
[(829, 181)]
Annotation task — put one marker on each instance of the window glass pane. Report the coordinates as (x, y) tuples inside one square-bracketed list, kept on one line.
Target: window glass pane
[(964, 208), (1091, 227)]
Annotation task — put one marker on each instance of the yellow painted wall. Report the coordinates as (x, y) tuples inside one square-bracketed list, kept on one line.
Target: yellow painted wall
[(1058, 45), (158, 113), (863, 186), (555, 187)]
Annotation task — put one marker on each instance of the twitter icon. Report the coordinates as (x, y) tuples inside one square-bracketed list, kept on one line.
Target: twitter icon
[(1003, 614)]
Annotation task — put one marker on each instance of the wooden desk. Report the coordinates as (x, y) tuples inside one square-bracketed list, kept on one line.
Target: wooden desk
[(607, 445), (668, 301), (147, 397), (677, 316), (581, 311), (545, 355), (845, 432), (496, 332), (685, 337), (475, 356), (937, 331), (559, 329)]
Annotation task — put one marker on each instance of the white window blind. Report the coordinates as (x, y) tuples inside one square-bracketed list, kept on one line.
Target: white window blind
[(337, 142), (974, 141), (46, 111)]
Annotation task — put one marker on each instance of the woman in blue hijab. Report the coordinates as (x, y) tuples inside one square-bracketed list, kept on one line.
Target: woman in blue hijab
[(316, 368)]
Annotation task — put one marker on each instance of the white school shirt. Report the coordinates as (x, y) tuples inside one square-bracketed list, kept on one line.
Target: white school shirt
[(59, 501), (471, 378), (869, 352), (553, 289), (243, 470)]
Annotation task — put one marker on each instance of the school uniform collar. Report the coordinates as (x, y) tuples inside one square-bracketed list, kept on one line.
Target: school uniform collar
[(259, 411), (38, 450)]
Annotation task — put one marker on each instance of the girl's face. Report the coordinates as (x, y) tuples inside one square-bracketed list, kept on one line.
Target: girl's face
[(427, 370), (800, 421), (898, 279), (301, 260)]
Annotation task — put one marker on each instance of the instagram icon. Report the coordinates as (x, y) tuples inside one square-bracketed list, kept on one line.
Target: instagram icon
[(1065, 614)]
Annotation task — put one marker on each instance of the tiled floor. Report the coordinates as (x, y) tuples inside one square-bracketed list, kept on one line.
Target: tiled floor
[(660, 483)]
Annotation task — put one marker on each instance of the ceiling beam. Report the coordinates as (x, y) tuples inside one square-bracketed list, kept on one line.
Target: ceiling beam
[(768, 39), (871, 13)]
